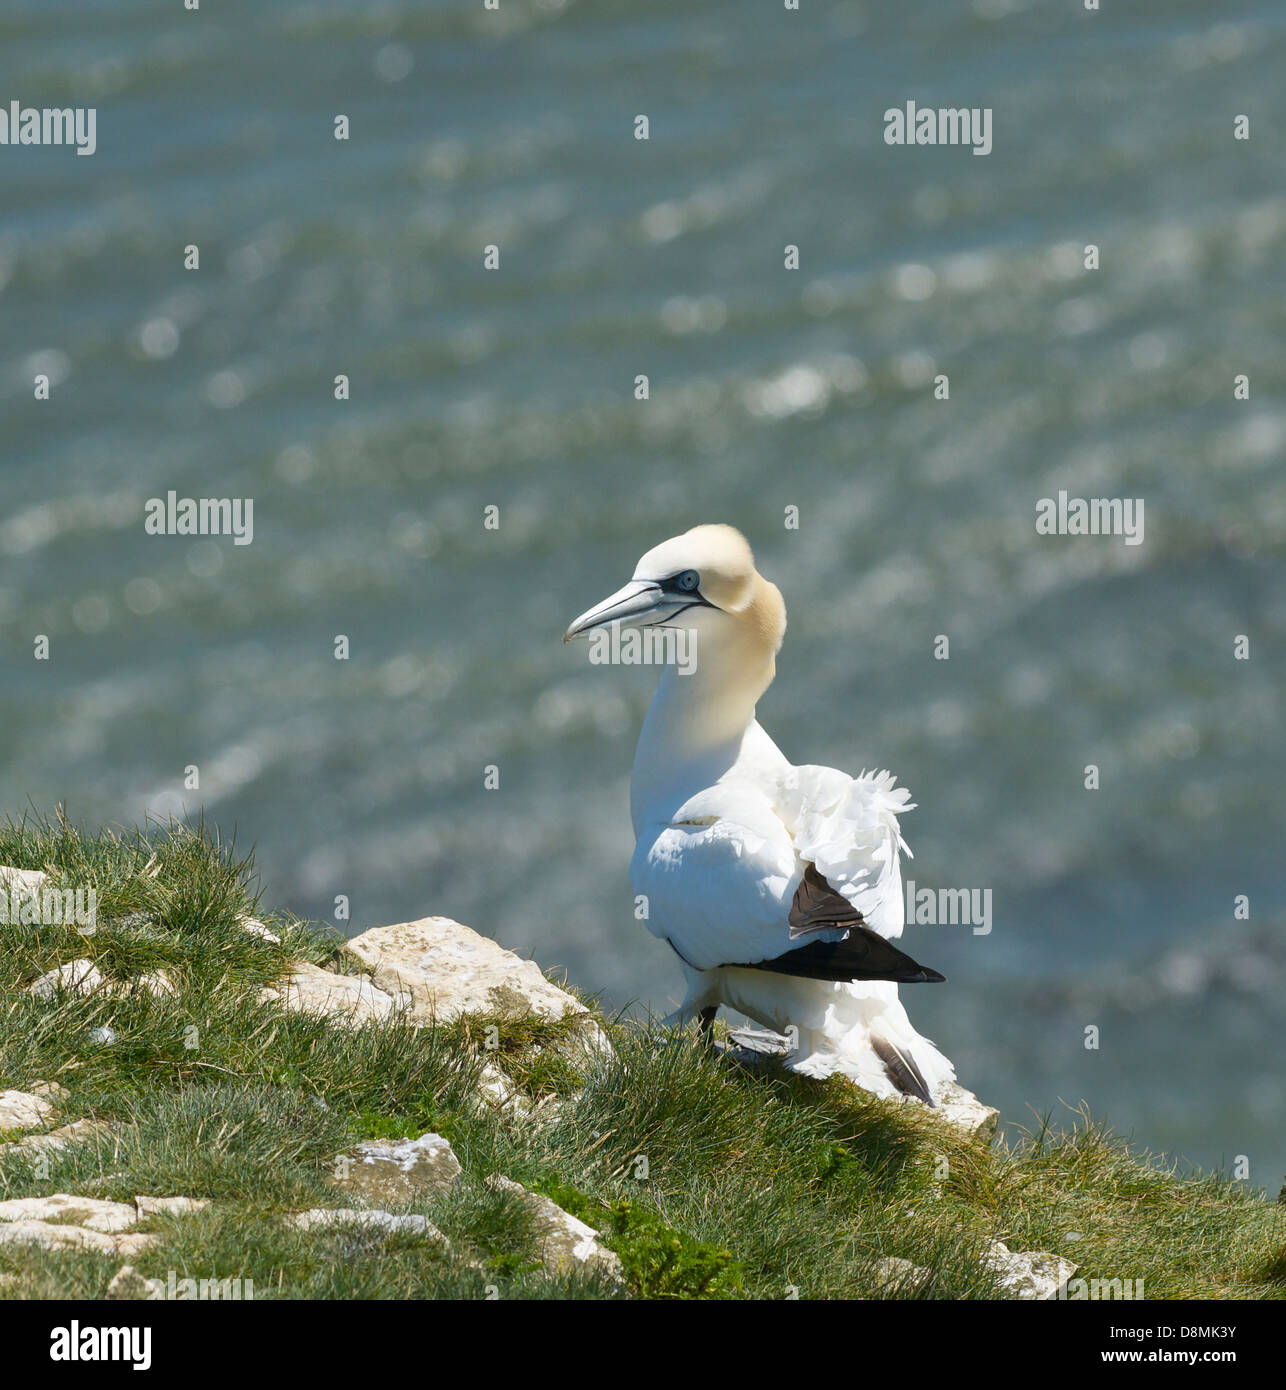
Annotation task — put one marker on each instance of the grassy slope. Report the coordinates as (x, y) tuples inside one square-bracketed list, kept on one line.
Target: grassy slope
[(753, 1185)]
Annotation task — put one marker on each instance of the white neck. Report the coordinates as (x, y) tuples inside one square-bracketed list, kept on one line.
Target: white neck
[(696, 723)]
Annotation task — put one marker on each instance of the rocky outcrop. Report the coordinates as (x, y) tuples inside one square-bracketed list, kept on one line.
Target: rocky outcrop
[(93, 1213), (567, 1243), (168, 1206), (81, 977), (23, 1110), (401, 1170), (63, 1221), (447, 970), (72, 1237), (964, 1110), (351, 999), (78, 977), (257, 928), (1028, 1274), (78, 1132), (21, 880)]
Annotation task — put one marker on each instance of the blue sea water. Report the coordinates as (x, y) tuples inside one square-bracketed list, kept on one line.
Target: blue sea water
[(770, 389)]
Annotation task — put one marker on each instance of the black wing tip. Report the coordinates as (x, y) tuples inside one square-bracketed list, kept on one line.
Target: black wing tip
[(927, 976), (861, 957)]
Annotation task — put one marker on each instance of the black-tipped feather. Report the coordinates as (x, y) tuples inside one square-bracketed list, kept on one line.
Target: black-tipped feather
[(862, 955), (901, 1069)]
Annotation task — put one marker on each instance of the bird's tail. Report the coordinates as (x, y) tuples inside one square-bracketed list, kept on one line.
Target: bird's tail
[(856, 1030)]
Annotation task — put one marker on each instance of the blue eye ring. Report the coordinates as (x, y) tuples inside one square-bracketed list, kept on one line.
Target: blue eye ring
[(688, 581)]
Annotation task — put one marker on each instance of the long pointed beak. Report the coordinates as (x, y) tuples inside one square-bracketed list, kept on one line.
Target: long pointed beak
[(638, 603)]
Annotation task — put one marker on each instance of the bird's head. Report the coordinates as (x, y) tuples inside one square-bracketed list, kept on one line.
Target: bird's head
[(704, 579)]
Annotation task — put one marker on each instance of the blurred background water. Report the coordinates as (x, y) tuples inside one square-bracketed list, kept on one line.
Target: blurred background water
[(769, 389)]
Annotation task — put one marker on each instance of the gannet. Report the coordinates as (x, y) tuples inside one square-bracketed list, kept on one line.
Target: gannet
[(778, 887)]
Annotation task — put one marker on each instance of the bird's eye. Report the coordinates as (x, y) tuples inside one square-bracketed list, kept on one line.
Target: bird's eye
[(689, 580)]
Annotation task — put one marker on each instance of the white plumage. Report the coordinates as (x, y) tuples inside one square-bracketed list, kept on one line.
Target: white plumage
[(726, 827)]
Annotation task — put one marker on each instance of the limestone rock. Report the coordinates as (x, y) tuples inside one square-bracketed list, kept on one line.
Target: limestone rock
[(1028, 1274), (78, 1132), (21, 880), (93, 1213), (964, 1110), (371, 1220), (257, 928), (127, 1282), (498, 1092), (76, 977), (449, 970), (168, 1206), (567, 1243), (50, 1090), (348, 999), (157, 983), (23, 1110), (388, 1170), (893, 1273), (70, 1237)]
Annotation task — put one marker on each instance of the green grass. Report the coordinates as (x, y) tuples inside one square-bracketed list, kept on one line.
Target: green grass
[(708, 1181)]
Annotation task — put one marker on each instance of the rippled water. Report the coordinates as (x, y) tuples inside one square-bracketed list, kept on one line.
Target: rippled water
[(769, 389)]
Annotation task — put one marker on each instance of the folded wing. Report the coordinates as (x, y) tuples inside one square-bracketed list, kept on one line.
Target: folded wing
[(802, 878)]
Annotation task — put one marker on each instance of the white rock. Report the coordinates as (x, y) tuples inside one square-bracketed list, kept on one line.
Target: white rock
[(23, 880), (63, 1237), (76, 977), (23, 1110), (567, 1242), (449, 970), (78, 1132), (498, 1091), (350, 999), (51, 1090), (389, 1170), (964, 1110), (93, 1213), (168, 1206), (1028, 1274), (127, 1282), (158, 983), (257, 928), (371, 1220)]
